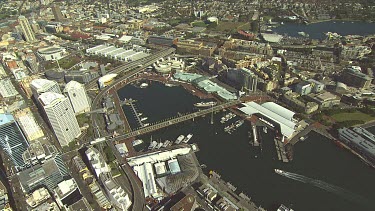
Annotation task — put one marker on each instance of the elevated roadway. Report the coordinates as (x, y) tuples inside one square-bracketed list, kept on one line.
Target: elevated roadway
[(134, 64)]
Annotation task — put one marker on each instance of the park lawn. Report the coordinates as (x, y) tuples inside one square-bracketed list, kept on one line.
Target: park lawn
[(229, 26), (348, 116)]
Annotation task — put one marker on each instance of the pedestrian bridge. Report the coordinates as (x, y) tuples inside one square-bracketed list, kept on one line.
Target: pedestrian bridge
[(169, 122)]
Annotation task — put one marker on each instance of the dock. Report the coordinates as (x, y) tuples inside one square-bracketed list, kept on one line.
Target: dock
[(255, 135), (280, 149), (135, 113)]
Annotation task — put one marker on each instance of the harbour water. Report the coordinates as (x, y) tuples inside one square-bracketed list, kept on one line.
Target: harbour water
[(318, 30), (252, 170)]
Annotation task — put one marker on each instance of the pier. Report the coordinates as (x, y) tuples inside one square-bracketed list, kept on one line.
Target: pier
[(255, 135), (135, 113), (280, 149)]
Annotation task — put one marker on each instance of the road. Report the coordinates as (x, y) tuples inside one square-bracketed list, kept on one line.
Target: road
[(149, 60), (138, 198), (129, 70)]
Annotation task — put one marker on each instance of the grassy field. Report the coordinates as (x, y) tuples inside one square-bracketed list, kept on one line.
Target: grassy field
[(347, 116), (229, 26)]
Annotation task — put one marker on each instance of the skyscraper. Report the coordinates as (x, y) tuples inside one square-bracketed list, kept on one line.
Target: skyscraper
[(12, 140), (61, 117), (57, 13), (26, 29), (40, 86), (77, 95)]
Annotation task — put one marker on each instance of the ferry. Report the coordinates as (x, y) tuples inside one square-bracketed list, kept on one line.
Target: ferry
[(152, 145), (144, 118), (179, 139), (137, 142), (144, 85), (205, 104), (188, 137), (279, 171)]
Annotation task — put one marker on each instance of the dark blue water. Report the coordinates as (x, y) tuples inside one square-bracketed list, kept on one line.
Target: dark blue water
[(318, 30), (252, 171)]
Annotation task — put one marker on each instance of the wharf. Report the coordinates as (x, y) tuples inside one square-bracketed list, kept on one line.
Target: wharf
[(255, 135), (225, 189), (317, 127), (280, 149), (118, 107)]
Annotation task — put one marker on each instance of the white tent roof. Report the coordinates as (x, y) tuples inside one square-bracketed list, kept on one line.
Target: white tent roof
[(286, 125), (286, 113)]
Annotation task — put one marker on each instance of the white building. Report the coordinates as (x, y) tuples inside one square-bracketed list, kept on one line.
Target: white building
[(51, 53), (65, 189), (37, 197), (7, 89), (61, 117), (146, 175), (77, 95), (106, 80), (97, 161), (30, 127), (39, 86), (26, 29)]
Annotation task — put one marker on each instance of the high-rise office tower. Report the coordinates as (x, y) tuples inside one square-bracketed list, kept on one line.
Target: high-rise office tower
[(40, 86), (26, 29), (77, 95), (12, 140), (57, 13), (61, 117)]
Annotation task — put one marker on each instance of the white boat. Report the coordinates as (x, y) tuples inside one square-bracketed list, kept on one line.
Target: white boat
[(170, 85), (144, 118), (144, 85), (265, 129), (159, 145), (279, 171), (152, 145), (304, 34), (166, 143), (238, 123), (140, 114), (179, 139), (188, 137), (137, 142), (145, 125), (205, 104)]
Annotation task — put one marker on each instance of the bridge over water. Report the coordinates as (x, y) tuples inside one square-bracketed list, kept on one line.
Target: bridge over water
[(169, 122)]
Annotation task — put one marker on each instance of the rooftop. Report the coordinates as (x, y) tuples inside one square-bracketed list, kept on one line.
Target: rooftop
[(40, 83), (276, 113), (48, 98), (72, 85)]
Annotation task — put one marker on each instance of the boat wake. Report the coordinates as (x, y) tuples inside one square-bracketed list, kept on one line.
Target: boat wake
[(348, 195)]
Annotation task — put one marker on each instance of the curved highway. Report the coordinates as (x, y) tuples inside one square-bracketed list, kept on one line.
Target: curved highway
[(134, 64), (129, 70)]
